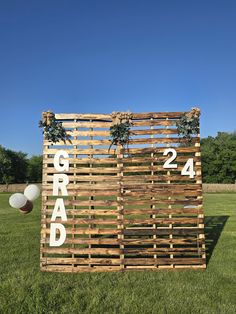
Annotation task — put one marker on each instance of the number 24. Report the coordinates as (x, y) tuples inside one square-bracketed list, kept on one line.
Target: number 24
[(188, 169)]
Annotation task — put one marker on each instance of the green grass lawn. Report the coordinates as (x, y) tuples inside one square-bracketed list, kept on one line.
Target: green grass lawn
[(24, 289)]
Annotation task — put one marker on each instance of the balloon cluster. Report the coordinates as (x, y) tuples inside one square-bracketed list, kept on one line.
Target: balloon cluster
[(24, 202)]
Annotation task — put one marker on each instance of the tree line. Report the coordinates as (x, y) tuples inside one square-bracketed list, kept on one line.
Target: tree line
[(16, 167), (219, 158), (218, 162)]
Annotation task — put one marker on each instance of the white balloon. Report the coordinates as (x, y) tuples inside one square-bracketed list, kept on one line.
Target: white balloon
[(32, 192), (17, 200)]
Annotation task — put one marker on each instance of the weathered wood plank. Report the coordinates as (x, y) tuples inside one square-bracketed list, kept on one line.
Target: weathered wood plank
[(97, 251), (76, 212), (80, 260), (98, 116), (133, 132), (87, 231), (125, 160), (142, 221), (107, 142), (163, 211), (159, 231), (158, 115), (82, 116), (74, 269), (130, 179), (94, 269), (113, 170), (107, 124), (190, 150), (163, 261), (186, 231), (140, 242), (108, 202)]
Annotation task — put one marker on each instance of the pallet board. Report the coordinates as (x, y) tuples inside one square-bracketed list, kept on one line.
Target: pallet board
[(124, 210)]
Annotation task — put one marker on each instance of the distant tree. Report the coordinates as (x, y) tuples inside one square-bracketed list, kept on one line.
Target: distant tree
[(5, 167), (34, 173), (13, 166), (219, 158), (19, 164)]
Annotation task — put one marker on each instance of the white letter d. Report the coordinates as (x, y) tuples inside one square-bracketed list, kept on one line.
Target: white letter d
[(53, 241)]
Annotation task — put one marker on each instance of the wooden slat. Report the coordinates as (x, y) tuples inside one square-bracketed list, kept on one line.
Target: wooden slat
[(97, 251), (109, 221), (111, 170), (82, 116), (140, 242), (85, 261), (146, 141), (133, 132), (144, 211), (159, 231), (158, 187), (98, 116), (189, 150), (87, 231), (108, 202), (107, 124), (113, 161), (132, 179), (94, 269), (163, 261), (183, 231)]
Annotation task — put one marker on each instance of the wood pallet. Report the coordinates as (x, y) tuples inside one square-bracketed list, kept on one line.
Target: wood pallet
[(125, 211)]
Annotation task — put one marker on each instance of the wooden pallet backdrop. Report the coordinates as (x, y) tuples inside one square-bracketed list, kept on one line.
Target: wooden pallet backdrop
[(125, 211)]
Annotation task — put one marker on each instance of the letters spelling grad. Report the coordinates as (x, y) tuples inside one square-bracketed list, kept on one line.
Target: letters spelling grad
[(60, 181)]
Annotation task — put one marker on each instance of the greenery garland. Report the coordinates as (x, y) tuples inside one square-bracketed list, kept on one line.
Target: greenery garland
[(188, 124), (52, 129), (120, 129)]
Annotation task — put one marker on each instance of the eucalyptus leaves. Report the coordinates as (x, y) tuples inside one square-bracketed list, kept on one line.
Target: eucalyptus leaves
[(52, 129), (188, 124), (120, 129)]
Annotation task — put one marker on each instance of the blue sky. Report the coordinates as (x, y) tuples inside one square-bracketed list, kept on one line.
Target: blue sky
[(103, 56)]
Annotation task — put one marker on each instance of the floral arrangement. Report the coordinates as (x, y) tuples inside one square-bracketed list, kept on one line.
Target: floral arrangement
[(52, 129), (188, 124), (120, 129)]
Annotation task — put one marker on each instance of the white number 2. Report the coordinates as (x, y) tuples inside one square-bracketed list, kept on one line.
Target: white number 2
[(188, 169), (168, 164)]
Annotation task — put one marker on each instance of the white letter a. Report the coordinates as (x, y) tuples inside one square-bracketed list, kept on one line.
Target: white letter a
[(59, 210)]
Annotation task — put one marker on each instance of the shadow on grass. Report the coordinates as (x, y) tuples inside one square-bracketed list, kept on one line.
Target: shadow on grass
[(214, 225)]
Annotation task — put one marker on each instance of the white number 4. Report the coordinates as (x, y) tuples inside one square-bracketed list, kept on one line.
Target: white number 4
[(188, 169)]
